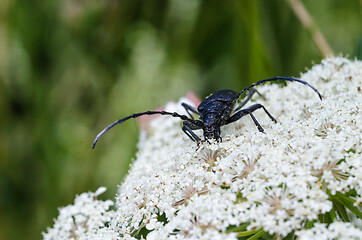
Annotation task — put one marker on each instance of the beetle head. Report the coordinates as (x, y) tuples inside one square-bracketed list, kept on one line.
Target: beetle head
[(211, 132)]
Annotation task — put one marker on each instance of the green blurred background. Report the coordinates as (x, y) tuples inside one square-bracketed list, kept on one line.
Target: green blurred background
[(70, 67)]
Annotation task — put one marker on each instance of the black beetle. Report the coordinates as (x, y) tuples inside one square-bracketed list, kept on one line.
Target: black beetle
[(215, 111)]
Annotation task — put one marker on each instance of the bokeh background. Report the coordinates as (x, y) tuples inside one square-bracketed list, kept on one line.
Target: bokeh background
[(70, 67)]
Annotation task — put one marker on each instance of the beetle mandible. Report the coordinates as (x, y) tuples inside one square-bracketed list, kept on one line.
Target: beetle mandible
[(215, 111)]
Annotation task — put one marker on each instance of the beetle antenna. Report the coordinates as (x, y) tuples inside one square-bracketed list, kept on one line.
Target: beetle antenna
[(290, 79), (136, 115)]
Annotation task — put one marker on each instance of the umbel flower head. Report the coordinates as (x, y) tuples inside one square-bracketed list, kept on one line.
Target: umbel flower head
[(302, 179)]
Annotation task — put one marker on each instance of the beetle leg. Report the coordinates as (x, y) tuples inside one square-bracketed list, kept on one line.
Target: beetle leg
[(248, 97), (189, 108), (249, 111), (188, 127), (241, 114)]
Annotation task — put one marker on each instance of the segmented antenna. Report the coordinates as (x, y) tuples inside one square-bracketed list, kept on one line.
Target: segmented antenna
[(135, 115), (274, 79)]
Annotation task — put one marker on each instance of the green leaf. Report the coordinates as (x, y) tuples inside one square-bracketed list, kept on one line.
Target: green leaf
[(246, 233), (348, 202), (240, 228), (257, 235), (290, 236), (309, 224), (344, 197), (333, 214), (340, 209), (325, 218)]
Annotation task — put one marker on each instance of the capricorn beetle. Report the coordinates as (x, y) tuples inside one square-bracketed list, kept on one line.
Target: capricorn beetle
[(215, 111)]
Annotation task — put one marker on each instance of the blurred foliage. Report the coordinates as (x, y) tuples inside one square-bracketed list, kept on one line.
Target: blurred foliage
[(70, 67)]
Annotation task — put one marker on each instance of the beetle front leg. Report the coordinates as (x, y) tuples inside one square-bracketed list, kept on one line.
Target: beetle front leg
[(189, 108), (188, 127)]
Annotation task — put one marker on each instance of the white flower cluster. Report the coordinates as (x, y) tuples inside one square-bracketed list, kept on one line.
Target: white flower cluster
[(336, 230), (275, 182), (83, 219)]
